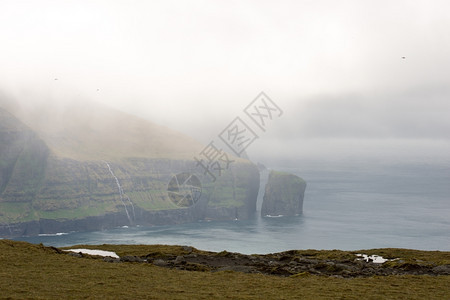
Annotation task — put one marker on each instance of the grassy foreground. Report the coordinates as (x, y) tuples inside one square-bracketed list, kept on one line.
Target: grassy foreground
[(35, 271)]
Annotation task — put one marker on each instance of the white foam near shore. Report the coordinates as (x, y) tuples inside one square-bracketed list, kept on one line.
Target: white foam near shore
[(53, 234), (373, 258), (95, 252)]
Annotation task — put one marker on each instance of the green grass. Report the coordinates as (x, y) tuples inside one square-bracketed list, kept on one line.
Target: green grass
[(15, 212), (80, 212), (75, 190), (151, 200), (35, 271)]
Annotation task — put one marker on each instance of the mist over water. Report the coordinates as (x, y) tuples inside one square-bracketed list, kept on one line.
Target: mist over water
[(348, 205)]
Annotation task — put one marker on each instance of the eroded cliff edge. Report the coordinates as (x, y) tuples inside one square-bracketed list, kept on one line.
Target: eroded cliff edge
[(66, 178)]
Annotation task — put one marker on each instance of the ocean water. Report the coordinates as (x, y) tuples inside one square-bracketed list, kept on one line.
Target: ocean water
[(349, 205)]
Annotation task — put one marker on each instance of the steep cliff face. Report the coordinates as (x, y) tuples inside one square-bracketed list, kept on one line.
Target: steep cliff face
[(22, 159), (283, 195), (63, 179)]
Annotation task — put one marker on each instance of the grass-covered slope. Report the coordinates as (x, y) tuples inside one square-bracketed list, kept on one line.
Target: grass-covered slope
[(38, 272), (23, 161), (82, 130)]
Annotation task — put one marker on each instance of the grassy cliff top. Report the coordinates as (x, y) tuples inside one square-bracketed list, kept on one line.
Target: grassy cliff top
[(276, 175)]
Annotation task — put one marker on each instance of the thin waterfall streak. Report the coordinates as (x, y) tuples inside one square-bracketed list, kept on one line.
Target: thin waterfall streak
[(264, 178), (132, 206), (121, 194), (129, 200)]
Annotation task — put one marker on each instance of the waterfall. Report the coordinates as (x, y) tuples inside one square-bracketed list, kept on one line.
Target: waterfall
[(129, 201), (132, 206), (122, 195), (264, 177)]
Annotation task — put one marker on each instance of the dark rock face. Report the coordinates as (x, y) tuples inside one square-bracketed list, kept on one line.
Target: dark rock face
[(88, 199), (23, 158), (289, 263), (283, 195)]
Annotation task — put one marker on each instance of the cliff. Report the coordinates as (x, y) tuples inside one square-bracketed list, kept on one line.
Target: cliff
[(283, 195), (91, 168)]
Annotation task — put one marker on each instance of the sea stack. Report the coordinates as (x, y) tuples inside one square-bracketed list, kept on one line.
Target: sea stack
[(283, 195)]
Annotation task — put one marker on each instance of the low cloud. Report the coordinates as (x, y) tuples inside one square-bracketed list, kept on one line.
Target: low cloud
[(416, 114)]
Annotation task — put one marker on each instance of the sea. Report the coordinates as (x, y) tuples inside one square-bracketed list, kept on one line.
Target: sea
[(349, 204)]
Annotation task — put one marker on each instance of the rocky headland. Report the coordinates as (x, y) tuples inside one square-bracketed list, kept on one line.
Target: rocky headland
[(283, 195), (88, 167)]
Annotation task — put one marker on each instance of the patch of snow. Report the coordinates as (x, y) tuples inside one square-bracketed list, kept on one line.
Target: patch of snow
[(95, 252), (374, 258)]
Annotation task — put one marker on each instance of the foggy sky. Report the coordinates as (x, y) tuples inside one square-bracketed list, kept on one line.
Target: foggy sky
[(344, 72)]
